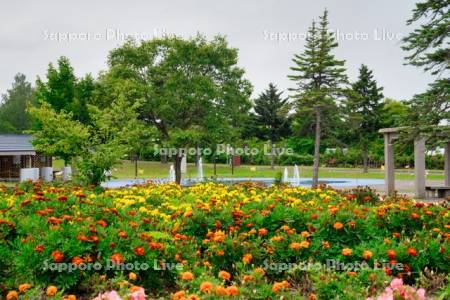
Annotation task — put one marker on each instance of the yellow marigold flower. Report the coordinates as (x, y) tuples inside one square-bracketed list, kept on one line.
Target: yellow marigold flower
[(132, 276)]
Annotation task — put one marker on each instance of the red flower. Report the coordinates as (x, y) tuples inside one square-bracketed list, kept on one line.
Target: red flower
[(102, 223), (58, 256), (412, 252), (62, 198), (139, 251), (391, 254), (39, 248)]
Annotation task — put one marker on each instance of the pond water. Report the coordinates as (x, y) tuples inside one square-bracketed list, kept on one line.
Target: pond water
[(304, 182)]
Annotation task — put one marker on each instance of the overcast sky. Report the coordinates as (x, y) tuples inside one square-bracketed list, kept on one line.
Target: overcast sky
[(267, 32)]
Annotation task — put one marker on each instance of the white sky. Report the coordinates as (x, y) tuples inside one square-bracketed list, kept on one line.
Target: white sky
[(372, 28)]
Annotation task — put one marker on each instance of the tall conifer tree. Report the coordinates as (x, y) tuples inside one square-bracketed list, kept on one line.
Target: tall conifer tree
[(319, 77)]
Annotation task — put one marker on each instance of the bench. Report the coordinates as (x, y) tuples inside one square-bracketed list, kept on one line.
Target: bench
[(438, 191)]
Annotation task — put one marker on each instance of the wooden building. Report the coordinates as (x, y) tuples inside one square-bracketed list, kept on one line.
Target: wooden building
[(16, 152)]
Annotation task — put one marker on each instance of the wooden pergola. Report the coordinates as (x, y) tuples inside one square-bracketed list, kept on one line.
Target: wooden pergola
[(392, 134)]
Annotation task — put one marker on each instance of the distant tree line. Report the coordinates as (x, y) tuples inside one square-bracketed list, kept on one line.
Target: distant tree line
[(180, 93)]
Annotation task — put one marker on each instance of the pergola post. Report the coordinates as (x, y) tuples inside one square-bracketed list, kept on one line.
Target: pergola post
[(447, 164), (389, 165), (419, 167)]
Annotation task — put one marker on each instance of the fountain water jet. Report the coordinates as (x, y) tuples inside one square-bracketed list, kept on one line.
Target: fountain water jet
[(296, 176), (171, 174), (200, 169), (285, 176)]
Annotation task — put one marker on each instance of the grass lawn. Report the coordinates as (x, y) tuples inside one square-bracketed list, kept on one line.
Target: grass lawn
[(151, 169)]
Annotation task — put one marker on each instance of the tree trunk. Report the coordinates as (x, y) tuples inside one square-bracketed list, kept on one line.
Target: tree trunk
[(272, 155), (215, 164), (177, 166), (163, 158), (315, 179), (136, 167), (365, 158)]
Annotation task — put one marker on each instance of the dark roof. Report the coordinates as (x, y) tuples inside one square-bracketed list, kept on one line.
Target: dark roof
[(15, 143)]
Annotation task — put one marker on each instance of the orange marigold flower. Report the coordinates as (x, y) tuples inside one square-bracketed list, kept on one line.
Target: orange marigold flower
[(225, 275), (51, 291), (206, 287), (276, 238), (415, 216), (367, 254), (305, 234), (77, 260), (219, 236), (247, 258), (12, 295), (396, 235), (70, 297), (188, 213), (312, 296), (326, 244), (298, 246), (295, 246), (347, 251), (180, 295), (123, 234), (139, 251), (188, 276), (132, 276), (278, 286), (351, 274), (248, 278), (220, 291), (23, 287), (338, 226), (412, 252), (262, 232), (260, 271), (58, 256), (232, 290), (117, 258)]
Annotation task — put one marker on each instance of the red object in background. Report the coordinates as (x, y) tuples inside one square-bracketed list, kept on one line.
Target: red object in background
[(236, 161)]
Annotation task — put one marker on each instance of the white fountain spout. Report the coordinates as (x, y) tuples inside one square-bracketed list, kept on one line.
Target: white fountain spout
[(200, 169), (296, 176), (285, 176), (171, 174)]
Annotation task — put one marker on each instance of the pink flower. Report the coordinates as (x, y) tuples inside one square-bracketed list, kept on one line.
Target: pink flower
[(113, 295), (138, 295), (396, 290), (397, 284)]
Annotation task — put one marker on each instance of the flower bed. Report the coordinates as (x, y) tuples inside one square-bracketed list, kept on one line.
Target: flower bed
[(212, 241)]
